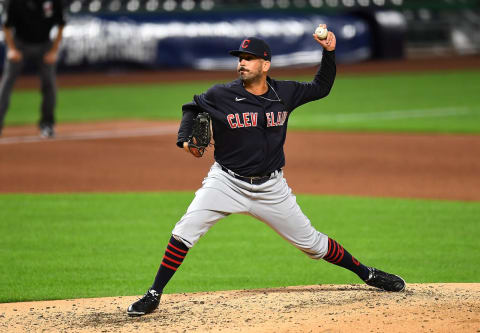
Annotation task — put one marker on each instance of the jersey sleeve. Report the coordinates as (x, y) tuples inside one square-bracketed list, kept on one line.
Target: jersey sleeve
[(206, 101), (200, 103), (304, 92), (189, 111)]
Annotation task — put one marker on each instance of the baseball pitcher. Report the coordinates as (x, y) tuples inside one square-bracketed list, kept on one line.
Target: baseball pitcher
[(249, 118)]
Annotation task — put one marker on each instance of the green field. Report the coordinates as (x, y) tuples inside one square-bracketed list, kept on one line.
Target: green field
[(420, 102), (90, 245), (87, 245)]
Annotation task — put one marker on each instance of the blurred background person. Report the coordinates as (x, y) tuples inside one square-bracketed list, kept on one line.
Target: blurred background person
[(27, 25)]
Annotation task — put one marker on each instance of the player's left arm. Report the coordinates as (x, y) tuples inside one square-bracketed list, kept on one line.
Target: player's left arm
[(200, 103), (195, 129), (190, 112)]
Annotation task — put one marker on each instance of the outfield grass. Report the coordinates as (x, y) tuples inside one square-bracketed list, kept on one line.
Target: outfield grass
[(90, 245), (412, 102)]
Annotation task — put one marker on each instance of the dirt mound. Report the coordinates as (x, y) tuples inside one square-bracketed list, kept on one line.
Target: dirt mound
[(320, 308)]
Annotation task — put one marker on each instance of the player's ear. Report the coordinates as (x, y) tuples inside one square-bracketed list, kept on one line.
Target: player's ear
[(266, 66)]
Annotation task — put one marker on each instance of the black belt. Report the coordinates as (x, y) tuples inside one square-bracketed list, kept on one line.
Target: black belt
[(254, 180)]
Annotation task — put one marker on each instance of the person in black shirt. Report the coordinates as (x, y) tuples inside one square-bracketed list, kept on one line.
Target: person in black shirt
[(249, 122), (27, 25)]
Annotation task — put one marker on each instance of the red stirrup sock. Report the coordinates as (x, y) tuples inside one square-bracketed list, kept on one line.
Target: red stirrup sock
[(337, 255), (173, 258)]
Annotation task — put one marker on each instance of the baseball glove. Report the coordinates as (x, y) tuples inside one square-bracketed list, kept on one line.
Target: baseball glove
[(201, 135)]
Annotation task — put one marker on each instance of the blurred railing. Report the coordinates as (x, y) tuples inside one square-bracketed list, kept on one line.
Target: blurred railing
[(195, 33), (329, 6), (131, 6)]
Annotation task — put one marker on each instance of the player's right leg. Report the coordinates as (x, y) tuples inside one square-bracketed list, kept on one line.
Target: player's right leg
[(214, 201)]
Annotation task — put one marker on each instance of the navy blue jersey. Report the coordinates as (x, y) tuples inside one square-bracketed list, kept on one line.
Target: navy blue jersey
[(249, 130)]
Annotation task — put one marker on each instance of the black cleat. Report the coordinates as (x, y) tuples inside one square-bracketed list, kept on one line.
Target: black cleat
[(47, 131), (385, 281), (148, 303)]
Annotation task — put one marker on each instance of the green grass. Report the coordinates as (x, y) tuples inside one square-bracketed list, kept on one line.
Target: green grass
[(160, 101), (413, 102), (91, 245)]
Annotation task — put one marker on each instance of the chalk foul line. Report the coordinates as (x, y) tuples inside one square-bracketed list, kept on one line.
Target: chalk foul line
[(94, 135), (166, 130), (397, 114)]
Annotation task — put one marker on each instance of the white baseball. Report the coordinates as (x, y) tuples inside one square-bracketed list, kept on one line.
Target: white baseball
[(321, 32)]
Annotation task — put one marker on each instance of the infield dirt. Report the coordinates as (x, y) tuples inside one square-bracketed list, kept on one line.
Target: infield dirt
[(142, 156)]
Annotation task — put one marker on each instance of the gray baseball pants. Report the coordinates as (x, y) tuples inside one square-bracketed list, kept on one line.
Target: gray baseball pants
[(32, 53), (271, 202)]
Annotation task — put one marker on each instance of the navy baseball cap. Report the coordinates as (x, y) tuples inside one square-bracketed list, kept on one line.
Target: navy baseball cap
[(256, 46)]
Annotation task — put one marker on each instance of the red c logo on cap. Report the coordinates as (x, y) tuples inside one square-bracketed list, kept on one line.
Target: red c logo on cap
[(265, 54), (245, 43)]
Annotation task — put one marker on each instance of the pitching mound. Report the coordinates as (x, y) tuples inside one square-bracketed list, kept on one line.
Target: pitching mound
[(322, 308)]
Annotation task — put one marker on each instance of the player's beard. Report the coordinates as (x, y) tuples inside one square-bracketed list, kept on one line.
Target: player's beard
[(250, 75)]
